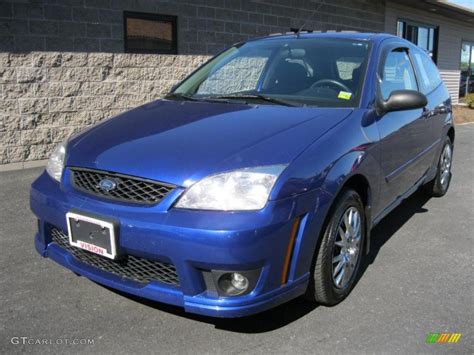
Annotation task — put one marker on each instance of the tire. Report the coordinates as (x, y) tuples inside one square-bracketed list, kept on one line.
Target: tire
[(324, 288), (440, 184)]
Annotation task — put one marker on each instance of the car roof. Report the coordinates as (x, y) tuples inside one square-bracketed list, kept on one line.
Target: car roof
[(361, 36)]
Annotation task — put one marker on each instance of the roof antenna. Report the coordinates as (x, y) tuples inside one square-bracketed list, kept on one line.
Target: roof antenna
[(309, 18)]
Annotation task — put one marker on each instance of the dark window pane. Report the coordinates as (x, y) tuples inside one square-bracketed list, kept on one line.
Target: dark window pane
[(424, 36), (412, 34), (150, 34)]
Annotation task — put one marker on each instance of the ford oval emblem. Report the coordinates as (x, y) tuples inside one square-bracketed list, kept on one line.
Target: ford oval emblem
[(107, 184)]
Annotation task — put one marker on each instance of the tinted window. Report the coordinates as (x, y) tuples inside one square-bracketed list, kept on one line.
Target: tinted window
[(428, 73), (397, 74), (150, 33)]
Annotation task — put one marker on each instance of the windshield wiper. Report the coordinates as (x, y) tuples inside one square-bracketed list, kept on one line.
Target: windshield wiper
[(243, 97), (261, 97), (181, 96)]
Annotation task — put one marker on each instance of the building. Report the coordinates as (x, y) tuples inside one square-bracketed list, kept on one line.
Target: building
[(65, 64)]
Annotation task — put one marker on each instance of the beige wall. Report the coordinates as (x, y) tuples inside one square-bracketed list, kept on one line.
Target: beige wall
[(451, 32), (451, 35), (47, 96)]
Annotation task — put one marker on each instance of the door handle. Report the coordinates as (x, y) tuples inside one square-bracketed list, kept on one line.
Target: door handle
[(426, 113), (441, 109)]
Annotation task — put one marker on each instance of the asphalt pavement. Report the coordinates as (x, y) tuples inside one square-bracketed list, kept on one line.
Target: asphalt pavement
[(417, 279)]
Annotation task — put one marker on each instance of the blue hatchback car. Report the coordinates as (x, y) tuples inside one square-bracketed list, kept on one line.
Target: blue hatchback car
[(256, 180)]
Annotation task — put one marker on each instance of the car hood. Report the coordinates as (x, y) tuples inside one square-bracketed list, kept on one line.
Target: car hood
[(180, 142)]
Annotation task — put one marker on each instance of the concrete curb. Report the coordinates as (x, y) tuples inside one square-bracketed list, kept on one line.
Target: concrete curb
[(23, 165)]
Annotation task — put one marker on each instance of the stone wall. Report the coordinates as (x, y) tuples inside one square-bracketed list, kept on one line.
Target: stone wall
[(47, 96)]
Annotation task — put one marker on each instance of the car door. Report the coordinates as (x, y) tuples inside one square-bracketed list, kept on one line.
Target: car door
[(404, 135)]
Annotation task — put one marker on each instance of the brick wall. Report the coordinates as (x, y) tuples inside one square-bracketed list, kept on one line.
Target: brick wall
[(204, 26), (47, 96)]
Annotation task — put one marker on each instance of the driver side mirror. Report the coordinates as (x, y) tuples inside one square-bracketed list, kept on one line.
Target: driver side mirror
[(401, 100)]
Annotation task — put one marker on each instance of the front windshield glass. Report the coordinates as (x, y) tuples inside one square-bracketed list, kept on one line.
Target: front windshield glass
[(323, 72)]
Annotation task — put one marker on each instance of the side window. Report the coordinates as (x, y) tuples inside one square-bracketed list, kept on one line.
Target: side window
[(427, 72), (397, 74)]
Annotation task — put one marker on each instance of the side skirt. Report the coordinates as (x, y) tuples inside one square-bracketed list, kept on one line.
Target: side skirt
[(398, 201)]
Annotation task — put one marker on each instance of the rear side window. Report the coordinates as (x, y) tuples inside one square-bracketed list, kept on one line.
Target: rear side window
[(428, 73), (398, 73)]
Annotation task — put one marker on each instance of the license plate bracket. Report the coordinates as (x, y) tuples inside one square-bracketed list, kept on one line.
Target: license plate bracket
[(94, 234)]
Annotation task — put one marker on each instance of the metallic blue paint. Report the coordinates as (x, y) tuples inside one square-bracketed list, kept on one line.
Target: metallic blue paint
[(182, 142)]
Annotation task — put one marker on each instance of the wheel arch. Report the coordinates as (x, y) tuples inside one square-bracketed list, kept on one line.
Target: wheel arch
[(355, 171), (451, 134), (360, 184)]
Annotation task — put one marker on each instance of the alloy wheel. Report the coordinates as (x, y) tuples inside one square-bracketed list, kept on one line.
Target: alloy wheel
[(346, 247), (445, 166)]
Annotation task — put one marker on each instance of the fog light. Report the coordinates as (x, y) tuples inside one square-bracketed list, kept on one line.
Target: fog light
[(229, 283), (239, 281), (232, 284)]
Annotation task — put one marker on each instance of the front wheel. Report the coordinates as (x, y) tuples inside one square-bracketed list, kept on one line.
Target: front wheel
[(339, 254), (440, 184)]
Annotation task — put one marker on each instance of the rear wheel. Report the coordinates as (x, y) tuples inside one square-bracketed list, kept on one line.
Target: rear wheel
[(339, 255), (440, 184)]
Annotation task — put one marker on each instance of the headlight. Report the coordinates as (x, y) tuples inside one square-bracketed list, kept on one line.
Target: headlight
[(239, 190), (56, 162)]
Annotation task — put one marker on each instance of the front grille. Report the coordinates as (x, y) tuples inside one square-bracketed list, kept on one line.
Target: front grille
[(127, 188), (132, 267)]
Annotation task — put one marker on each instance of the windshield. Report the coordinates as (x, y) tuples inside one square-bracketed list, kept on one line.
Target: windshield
[(323, 72)]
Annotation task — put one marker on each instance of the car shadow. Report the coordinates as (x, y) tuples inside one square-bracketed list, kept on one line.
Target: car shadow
[(388, 226), (291, 311), (263, 322)]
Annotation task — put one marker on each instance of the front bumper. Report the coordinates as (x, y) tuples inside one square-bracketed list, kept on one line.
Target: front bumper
[(194, 242)]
